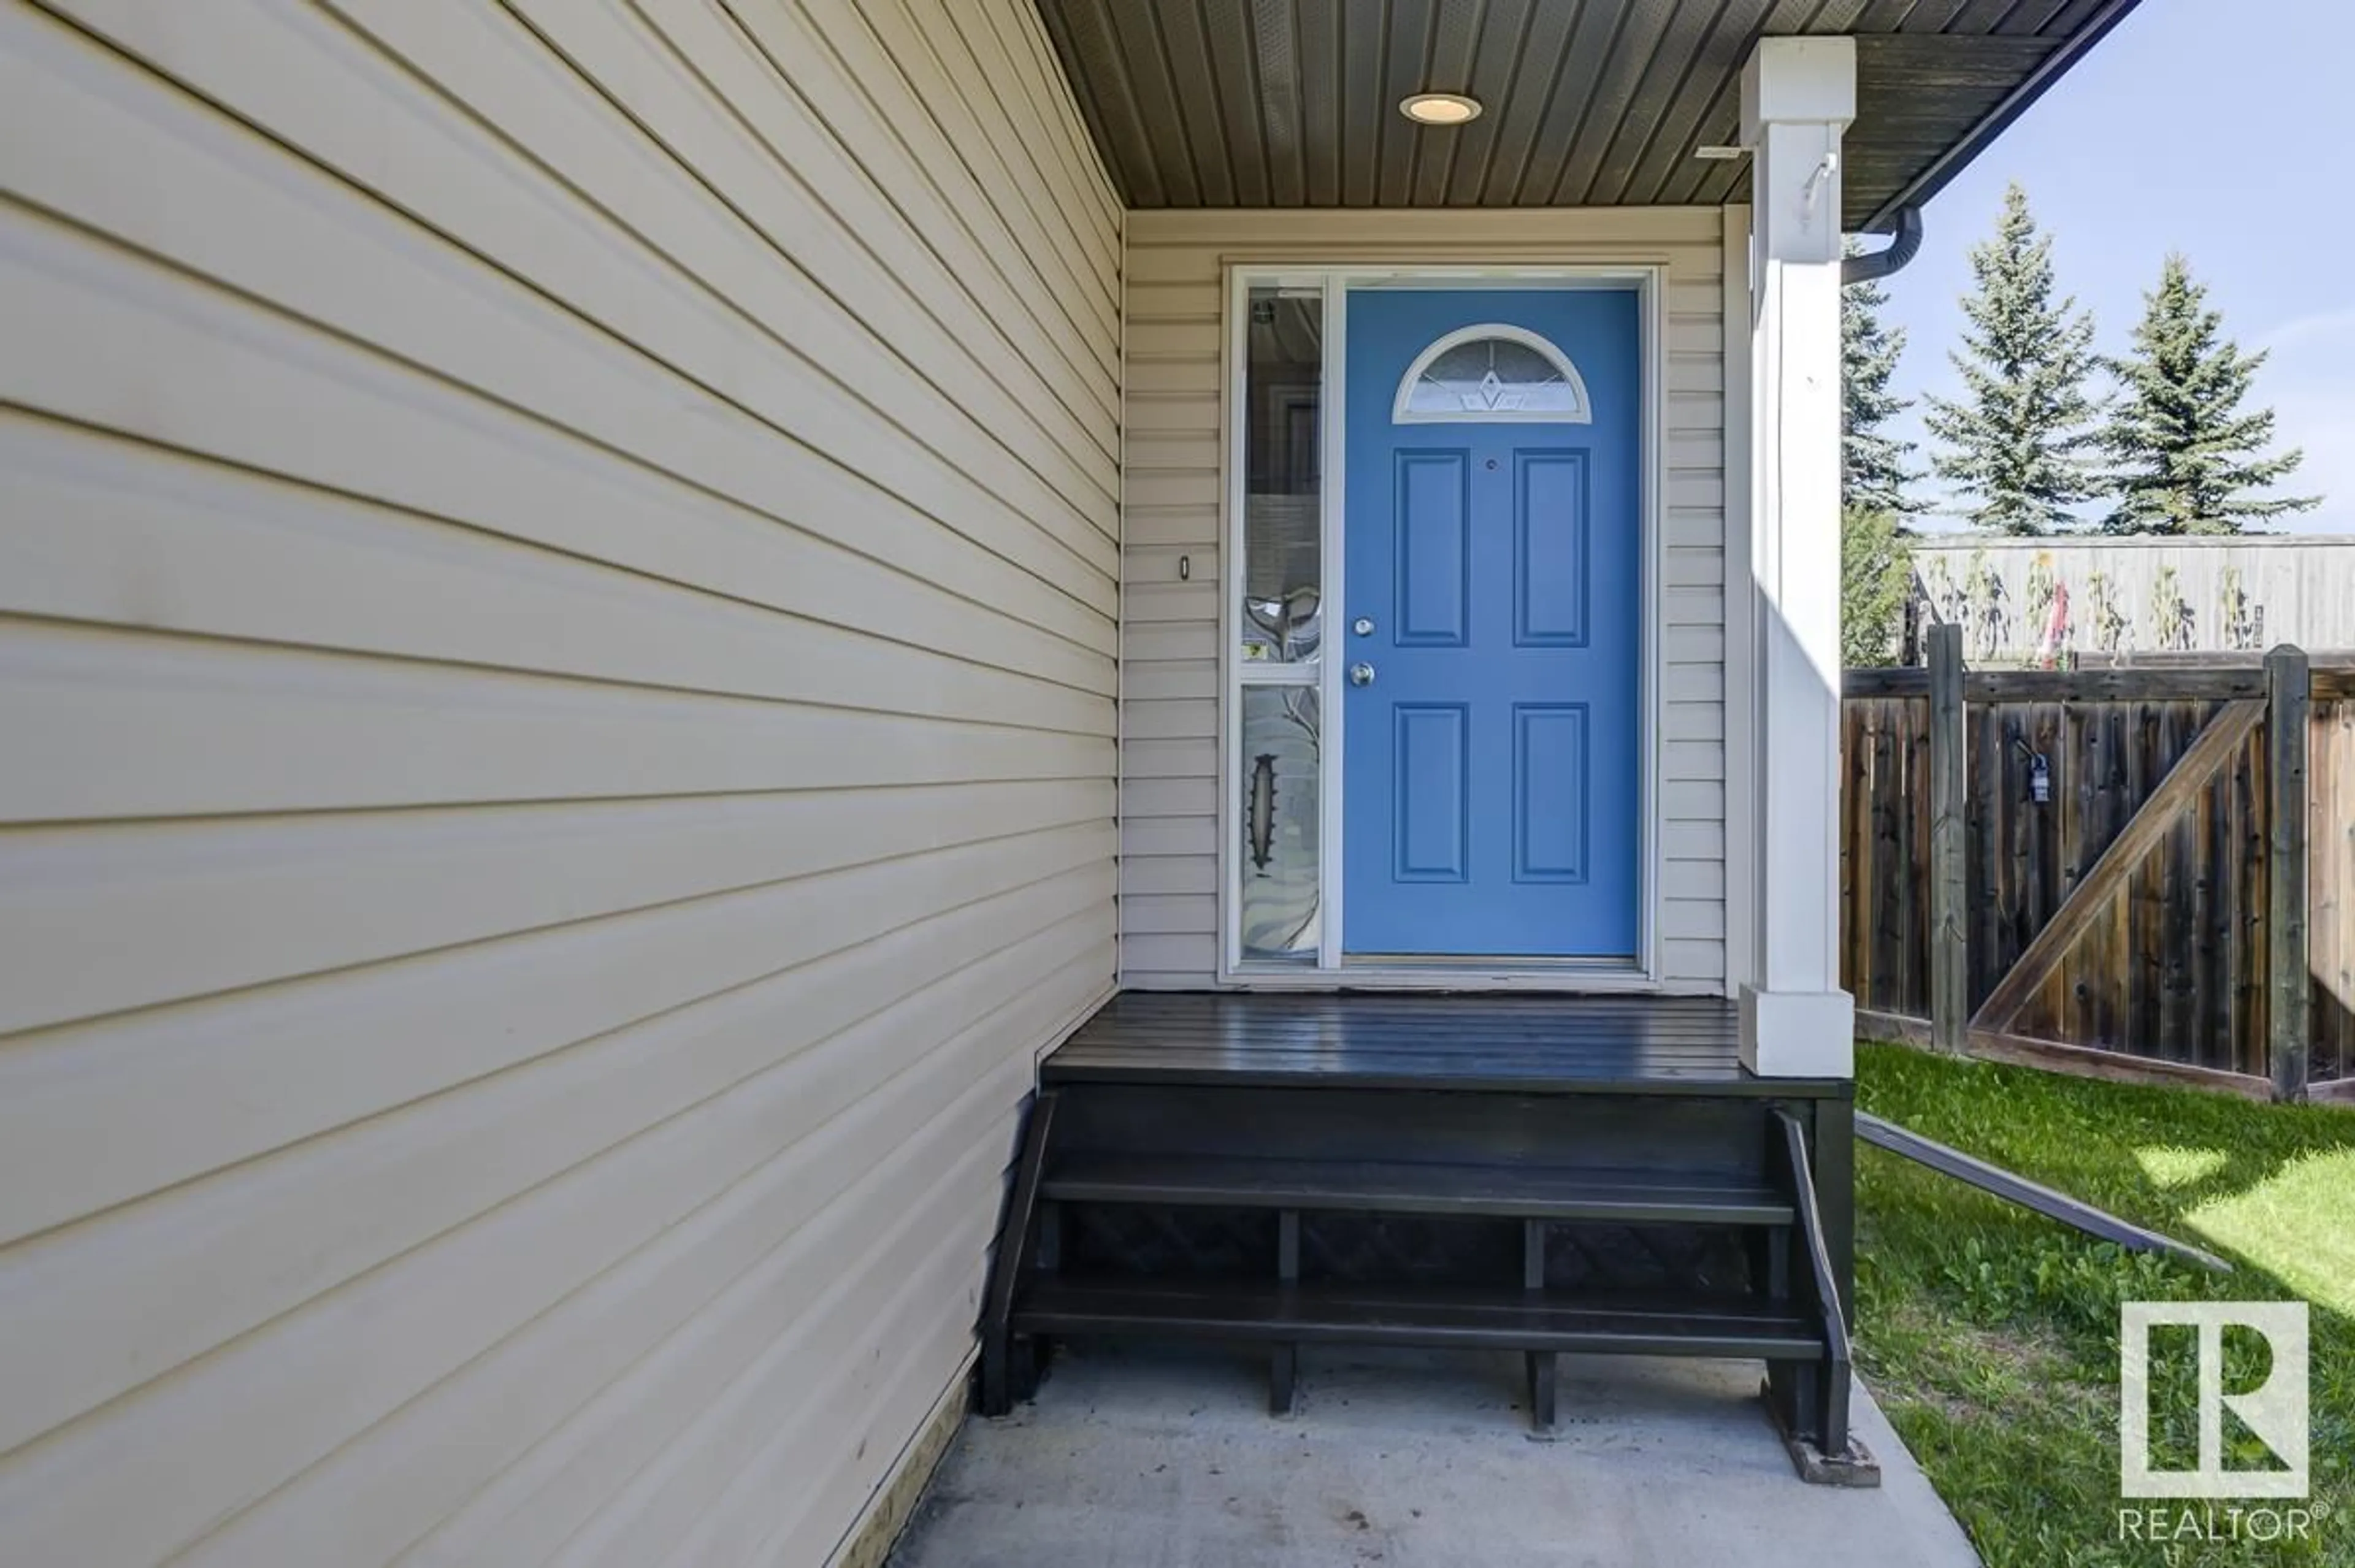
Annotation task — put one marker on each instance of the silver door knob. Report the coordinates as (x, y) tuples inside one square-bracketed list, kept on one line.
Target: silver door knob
[(1361, 675)]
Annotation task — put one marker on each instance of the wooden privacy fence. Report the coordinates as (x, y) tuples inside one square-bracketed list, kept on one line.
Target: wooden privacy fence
[(2177, 900)]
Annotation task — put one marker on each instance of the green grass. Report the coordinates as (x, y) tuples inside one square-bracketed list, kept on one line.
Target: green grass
[(1990, 1334)]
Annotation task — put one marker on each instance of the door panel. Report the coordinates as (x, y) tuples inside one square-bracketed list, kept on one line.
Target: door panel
[(1550, 772), (1550, 550), (1492, 766), (1431, 748), (1435, 549)]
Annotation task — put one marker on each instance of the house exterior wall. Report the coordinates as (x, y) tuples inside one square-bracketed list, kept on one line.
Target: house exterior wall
[(1173, 503), (2237, 592), (558, 641)]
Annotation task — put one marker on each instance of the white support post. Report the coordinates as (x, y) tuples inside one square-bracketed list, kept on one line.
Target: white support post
[(1797, 96)]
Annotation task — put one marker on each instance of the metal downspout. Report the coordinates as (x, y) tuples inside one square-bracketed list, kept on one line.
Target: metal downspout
[(1899, 250)]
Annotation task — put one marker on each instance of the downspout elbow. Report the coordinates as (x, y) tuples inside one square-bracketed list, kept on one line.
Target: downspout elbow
[(1899, 250)]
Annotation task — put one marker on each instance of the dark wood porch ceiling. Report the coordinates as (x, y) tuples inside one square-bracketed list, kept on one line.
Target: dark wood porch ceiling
[(1589, 102)]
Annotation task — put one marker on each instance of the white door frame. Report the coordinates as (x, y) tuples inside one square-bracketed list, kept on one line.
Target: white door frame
[(1326, 674)]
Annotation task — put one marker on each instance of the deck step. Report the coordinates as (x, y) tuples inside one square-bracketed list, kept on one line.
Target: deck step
[(1624, 1197), (1395, 1315)]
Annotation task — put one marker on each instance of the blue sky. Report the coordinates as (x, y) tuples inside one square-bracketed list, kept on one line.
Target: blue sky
[(2210, 128)]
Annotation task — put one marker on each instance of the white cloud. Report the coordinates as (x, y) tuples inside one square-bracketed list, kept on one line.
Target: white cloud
[(2310, 383), (2325, 327)]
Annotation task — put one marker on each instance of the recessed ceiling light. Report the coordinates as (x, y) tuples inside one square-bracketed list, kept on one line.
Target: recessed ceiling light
[(1439, 108)]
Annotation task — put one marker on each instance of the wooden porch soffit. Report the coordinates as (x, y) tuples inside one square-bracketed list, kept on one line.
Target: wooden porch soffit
[(1599, 103)]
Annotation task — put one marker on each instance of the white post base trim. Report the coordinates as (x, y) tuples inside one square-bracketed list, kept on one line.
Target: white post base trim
[(1798, 1034)]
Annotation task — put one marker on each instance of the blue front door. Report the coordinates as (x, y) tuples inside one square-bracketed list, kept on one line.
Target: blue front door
[(1492, 760)]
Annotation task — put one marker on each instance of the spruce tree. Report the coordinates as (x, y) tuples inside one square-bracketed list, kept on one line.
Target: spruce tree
[(1876, 578), (2188, 460), (2016, 443), (1874, 469)]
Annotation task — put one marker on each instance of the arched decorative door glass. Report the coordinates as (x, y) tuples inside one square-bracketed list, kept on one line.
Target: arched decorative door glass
[(1490, 373)]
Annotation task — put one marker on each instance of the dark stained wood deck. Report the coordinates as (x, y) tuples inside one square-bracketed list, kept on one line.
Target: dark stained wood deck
[(1286, 1168), (1671, 1045)]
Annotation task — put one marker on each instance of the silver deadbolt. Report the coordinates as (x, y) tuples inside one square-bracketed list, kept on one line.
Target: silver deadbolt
[(1363, 626), (1361, 675)]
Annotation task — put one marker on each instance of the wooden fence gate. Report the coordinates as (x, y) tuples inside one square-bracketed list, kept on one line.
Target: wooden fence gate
[(2143, 871)]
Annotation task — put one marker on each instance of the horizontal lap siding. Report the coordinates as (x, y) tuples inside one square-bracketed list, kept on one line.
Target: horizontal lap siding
[(1173, 499), (559, 605)]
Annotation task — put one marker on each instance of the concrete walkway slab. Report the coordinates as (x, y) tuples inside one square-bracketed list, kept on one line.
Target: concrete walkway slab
[(1167, 1458)]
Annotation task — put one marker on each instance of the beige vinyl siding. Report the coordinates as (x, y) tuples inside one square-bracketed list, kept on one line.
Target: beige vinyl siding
[(1174, 501), (558, 633)]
